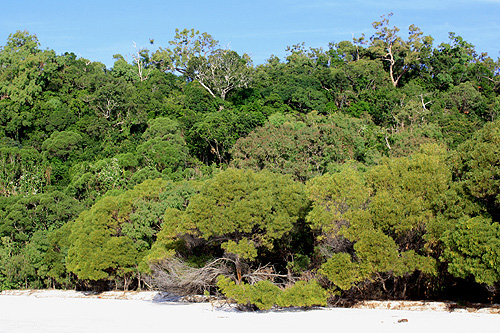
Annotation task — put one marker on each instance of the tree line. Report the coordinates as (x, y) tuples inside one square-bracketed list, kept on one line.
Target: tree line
[(366, 170)]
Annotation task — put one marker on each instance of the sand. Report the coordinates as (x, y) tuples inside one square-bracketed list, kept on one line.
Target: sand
[(57, 311)]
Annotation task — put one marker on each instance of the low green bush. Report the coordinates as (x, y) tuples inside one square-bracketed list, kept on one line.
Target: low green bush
[(264, 294)]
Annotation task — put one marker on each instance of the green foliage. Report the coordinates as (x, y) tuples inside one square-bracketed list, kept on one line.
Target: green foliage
[(24, 68), (406, 189), (342, 271), (213, 134), (451, 62), (264, 294), (376, 253), (109, 240), (466, 99), (22, 264), (164, 148), (337, 199), (161, 128), (89, 181), (472, 249), (350, 86), (299, 264), (382, 216), (457, 128), (244, 249), (305, 148), (61, 144), (303, 294), (23, 171), (402, 56), (75, 135), (20, 217), (292, 83), (199, 57), (54, 258), (187, 44), (241, 210), (164, 155), (221, 71), (470, 244), (407, 142), (477, 166)]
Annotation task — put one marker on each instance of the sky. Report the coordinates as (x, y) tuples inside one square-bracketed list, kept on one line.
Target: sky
[(97, 30)]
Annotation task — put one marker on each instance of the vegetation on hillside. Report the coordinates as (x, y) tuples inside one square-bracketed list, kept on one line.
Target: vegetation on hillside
[(370, 169)]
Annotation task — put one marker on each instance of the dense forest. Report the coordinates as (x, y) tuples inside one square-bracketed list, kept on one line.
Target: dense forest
[(370, 169)]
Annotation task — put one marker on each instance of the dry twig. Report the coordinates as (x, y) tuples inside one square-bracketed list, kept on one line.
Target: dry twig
[(175, 276)]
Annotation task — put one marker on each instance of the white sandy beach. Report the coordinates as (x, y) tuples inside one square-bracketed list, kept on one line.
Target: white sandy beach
[(56, 311)]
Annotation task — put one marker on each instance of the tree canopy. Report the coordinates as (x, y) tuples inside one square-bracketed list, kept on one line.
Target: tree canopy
[(368, 169)]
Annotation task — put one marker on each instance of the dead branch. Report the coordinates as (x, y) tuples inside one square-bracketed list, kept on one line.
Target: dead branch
[(175, 276), (267, 272)]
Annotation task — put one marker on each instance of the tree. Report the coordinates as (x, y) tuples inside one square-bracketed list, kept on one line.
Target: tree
[(336, 199), (306, 148), (23, 171), (54, 258), (450, 63), (472, 249), (264, 294), (139, 70), (187, 44), (24, 68), (373, 226), (406, 190), (241, 211), (348, 83), (25, 223), (212, 134), (89, 181), (16, 269), (199, 57), (401, 55), (221, 71), (477, 167), (293, 81), (109, 100), (141, 60), (109, 241), (164, 148), (21, 216), (466, 99), (62, 144)]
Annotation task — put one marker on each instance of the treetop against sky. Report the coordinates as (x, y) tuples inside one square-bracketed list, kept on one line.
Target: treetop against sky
[(96, 30)]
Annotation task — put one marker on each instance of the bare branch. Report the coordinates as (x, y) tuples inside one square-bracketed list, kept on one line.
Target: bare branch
[(175, 276)]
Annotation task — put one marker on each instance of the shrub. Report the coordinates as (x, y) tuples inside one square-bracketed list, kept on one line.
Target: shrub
[(264, 294)]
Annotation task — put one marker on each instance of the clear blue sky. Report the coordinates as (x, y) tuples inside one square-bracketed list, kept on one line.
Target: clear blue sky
[(96, 30)]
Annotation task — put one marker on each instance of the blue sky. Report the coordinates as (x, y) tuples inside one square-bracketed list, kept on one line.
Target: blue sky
[(96, 30)]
